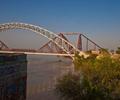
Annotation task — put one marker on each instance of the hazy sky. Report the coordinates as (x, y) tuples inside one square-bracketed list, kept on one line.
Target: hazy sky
[(98, 19)]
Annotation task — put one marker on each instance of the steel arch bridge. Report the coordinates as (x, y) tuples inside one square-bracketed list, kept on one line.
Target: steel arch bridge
[(62, 43)]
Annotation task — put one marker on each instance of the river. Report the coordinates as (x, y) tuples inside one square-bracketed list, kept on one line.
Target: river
[(42, 73)]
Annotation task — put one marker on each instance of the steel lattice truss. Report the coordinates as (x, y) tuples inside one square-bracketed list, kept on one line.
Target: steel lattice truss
[(3, 46), (51, 47)]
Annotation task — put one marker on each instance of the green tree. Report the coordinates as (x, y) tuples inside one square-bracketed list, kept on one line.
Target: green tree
[(118, 50)]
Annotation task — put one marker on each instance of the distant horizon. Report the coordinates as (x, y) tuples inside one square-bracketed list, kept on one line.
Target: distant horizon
[(98, 19)]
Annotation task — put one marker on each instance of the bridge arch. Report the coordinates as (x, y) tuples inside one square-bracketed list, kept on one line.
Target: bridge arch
[(64, 45)]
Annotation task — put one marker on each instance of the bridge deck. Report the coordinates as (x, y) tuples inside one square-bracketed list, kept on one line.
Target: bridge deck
[(37, 53)]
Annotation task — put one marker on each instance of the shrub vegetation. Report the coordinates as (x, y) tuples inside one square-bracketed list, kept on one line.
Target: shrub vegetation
[(95, 78)]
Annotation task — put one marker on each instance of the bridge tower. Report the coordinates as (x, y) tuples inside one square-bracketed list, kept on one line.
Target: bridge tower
[(79, 42)]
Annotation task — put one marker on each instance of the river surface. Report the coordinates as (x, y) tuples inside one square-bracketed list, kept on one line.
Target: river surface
[(42, 72)]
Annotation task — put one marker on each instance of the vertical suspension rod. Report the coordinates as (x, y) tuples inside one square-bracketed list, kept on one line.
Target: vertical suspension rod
[(87, 45)]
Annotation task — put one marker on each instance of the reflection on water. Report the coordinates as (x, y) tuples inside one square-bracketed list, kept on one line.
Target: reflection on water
[(13, 74), (40, 74)]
